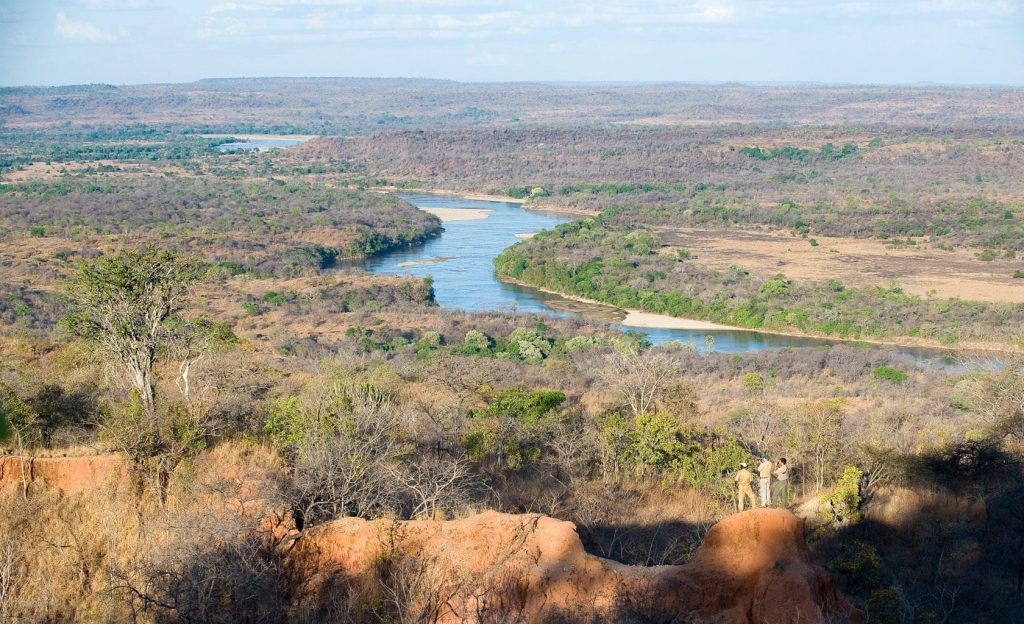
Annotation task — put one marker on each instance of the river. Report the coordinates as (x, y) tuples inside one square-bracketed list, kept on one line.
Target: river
[(460, 262)]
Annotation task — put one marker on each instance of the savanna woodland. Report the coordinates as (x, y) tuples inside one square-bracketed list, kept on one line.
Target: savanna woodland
[(196, 371)]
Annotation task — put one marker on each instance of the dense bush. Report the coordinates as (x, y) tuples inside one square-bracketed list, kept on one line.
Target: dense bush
[(264, 227)]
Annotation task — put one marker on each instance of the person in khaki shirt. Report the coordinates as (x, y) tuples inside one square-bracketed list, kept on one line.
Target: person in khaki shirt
[(764, 472), (780, 494), (743, 480)]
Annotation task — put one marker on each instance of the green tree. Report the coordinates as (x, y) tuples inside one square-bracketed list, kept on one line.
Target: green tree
[(120, 304), (842, 503), (514, 426), (709, 466), (476, 341), (654, 441), (818, 427), (18, 421)]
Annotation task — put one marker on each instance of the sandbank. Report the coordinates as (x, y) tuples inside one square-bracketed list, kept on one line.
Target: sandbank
[(459, 214), (650, 320)]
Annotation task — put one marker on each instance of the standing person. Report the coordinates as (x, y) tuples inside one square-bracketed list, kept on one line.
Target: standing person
[(780, 489), (764, 471), (743, 480)]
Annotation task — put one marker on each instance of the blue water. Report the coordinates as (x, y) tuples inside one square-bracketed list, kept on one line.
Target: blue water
[(466, 280), (259, 144)]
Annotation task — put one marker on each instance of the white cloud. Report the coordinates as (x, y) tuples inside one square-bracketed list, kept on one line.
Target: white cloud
[(484, 58), (469, 19), (233, 7), (929, 7), (478, 19), (72, 30), (118, 5)]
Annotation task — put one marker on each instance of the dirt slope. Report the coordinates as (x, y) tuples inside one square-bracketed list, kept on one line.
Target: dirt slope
[(754, 567)]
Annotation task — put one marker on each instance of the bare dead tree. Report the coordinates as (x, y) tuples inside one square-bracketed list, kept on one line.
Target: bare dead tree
[(640, 378), (436, 485), (10, 575)]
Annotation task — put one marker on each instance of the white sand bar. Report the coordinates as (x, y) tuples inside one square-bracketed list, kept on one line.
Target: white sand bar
[(662, 321), (459, 214), (526, 235)]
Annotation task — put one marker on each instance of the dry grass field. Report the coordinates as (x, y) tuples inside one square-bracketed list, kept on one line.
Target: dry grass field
[(918, 269)]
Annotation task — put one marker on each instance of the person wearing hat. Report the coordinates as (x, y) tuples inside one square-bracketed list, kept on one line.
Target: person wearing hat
[(744, 478)]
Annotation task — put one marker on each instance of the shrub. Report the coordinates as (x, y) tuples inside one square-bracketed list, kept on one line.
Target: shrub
[(275, 298), (37, 231), (862, 562), (709, 467), (774, 287), (890, 374), (477, 341), (251, 308), (514, 427), (752, 382), (886, 606), (528, 345), (654, 441), (578, 344), (841, 504), (284, 423)]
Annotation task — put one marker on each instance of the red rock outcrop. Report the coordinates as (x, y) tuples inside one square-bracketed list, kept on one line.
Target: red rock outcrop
[(753, 568), (69, 474)]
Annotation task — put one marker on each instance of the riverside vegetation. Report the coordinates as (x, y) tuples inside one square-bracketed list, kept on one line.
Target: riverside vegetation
[(604, 259), (261, 369)]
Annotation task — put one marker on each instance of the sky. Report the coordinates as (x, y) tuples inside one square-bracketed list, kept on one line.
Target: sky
[(48, 42)]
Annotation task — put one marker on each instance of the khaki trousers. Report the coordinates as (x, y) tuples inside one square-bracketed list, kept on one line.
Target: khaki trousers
[(745, 491)]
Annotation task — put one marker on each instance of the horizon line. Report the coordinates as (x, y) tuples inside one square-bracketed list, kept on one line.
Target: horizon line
[(567, 83)]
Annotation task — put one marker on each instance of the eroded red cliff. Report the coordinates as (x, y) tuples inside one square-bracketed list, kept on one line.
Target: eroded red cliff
[(68, 474), (753, 567)]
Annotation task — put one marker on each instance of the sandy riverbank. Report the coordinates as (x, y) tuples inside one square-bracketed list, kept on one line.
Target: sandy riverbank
[(649, 320), (526, 235), (639, 318), (459, 214)]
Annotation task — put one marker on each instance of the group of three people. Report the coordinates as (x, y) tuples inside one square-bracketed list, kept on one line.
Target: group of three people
[(774, 494)]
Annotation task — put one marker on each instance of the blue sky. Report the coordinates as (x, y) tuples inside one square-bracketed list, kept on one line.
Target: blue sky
[(869, 41)]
